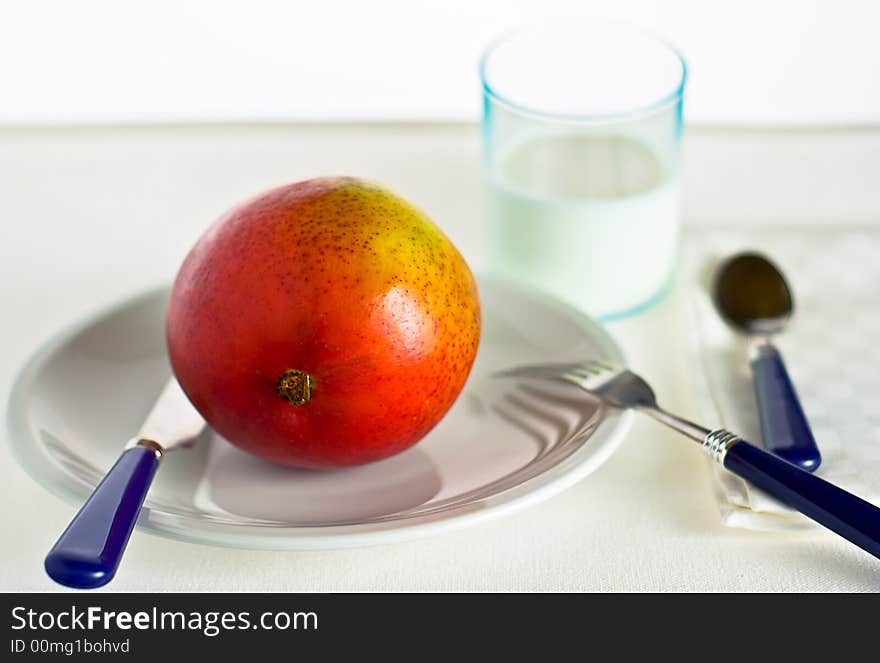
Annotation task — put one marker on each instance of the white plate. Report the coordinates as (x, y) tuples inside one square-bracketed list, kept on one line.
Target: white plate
[(86, 392)]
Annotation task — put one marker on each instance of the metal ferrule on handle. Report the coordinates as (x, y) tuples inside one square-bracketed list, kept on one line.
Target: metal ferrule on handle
[(718, 442), (157, 449)]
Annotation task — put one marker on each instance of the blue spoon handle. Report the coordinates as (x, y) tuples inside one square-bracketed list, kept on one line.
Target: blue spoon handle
[(849, 516), (89, 551), (784, 426)]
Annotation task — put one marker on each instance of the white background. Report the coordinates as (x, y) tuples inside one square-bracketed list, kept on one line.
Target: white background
[(103, 61)]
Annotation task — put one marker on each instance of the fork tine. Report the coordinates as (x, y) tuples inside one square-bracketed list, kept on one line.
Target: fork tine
[(582, 370), (547, 371), (585, 370), (602, 366), (573, 399), (579, 373)]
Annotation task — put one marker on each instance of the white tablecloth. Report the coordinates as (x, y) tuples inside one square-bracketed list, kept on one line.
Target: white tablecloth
[(92, 216)]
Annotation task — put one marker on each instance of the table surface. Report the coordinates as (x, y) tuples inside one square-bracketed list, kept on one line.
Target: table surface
[(93, 215)]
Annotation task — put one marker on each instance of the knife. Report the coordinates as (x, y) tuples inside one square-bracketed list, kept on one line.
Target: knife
[(89, 551)]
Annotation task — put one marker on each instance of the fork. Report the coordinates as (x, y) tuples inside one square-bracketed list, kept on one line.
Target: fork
[(849, 516)]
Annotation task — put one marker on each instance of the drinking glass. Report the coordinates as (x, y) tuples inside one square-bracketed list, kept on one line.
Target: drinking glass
[(582, 127)]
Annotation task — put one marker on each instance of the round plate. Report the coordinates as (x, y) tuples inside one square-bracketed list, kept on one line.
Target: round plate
[(501, 446)]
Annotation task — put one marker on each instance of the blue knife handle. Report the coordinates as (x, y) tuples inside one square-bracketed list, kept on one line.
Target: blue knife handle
[(849, 516), (784, 426), (88, 552)]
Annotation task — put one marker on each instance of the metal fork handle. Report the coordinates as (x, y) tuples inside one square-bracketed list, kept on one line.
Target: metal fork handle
[(682, 425), (849, 516)]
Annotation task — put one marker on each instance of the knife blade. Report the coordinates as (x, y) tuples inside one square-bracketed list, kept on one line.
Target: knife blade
[(173, 422), (88, 552)]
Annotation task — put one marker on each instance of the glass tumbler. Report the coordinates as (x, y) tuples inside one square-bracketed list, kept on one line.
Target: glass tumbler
[(582, 128)]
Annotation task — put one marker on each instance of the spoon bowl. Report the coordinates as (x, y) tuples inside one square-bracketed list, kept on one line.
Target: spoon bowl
[(752, 295)]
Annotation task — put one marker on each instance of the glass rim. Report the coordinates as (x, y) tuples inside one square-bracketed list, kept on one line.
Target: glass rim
[(666, 100)]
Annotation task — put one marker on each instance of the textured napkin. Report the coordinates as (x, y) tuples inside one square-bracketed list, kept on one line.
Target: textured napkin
[(831, 350)]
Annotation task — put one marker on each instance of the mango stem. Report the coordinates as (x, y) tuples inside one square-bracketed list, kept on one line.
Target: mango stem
[(295, 386)]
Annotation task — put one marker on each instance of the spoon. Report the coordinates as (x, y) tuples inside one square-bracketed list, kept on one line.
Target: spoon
[(752, 295)]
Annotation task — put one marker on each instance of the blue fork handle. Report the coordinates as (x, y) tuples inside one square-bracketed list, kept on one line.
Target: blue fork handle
[(784, 426), (89, 551), (849, 516)]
